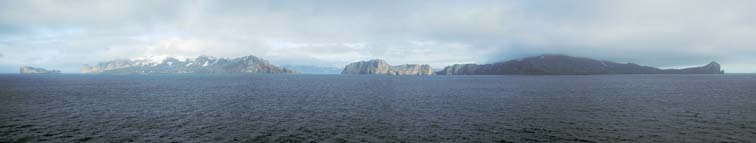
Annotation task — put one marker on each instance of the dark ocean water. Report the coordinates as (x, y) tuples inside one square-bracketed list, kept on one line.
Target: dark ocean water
[(337, 108)]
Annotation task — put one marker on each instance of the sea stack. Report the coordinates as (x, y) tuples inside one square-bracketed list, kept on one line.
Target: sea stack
[(380, 67)]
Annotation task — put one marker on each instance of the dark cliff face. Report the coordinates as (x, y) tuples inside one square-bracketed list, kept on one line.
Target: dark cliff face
[(380, 67), (567, 65), (202, 64), (34, 70)]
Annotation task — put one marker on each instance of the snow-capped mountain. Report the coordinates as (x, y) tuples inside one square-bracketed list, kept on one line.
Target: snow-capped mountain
[(201, 64)]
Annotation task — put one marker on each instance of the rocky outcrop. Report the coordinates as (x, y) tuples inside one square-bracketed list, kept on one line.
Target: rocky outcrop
[(380, 67), (171, 65), (551, 64), (412, 69), (368, 67), (711, 68), (34, 70)]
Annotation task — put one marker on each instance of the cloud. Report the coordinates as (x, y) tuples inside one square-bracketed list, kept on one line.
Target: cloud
[(667, 33)]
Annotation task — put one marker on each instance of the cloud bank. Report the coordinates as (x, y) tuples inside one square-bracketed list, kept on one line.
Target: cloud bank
[(668, 33)]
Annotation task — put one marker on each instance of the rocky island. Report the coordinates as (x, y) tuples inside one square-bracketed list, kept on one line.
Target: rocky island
[(554, 64), (35, 70), (171, 65), (380, 67)]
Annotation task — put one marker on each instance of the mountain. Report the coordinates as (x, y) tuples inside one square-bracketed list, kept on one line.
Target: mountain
[(34, 70), (553, 64), (305, 69), (378, 66), (201, 64)]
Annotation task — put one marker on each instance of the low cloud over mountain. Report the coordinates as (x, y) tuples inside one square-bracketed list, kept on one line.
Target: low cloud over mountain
[(332, 33)]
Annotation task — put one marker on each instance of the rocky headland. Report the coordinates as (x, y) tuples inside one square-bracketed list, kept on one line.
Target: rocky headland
[(36, 70), (380, 67)]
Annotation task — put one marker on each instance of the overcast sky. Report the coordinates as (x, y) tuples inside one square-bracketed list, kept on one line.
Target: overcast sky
[(664, 33)]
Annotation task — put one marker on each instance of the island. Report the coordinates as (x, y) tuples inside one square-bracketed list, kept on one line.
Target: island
[(556, 64), (35, 70), (200, 64), (380, 67)]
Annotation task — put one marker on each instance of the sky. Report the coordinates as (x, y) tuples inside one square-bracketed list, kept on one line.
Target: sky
[(332, 33)]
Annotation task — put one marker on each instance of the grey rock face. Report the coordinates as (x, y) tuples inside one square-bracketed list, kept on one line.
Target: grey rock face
[(201, 64), (412, 69), (368, 67), (567, 65), (378, 66), (459, 69), (33, 70)]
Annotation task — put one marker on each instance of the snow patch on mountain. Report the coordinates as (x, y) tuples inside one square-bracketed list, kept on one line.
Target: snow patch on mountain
[(156, 60), (172, 64)]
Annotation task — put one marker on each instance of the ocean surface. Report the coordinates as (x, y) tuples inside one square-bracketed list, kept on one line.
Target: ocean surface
[(339, 108)]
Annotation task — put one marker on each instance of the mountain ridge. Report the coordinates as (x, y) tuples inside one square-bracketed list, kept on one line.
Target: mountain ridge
[(200, 64), (558, 64)]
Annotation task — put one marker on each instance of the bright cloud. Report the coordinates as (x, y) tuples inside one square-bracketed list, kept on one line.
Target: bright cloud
[(667, 33)]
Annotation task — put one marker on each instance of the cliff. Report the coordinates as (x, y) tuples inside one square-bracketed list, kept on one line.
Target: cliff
[(382, 68), (566, 65), (171, 65), (34, 70)]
